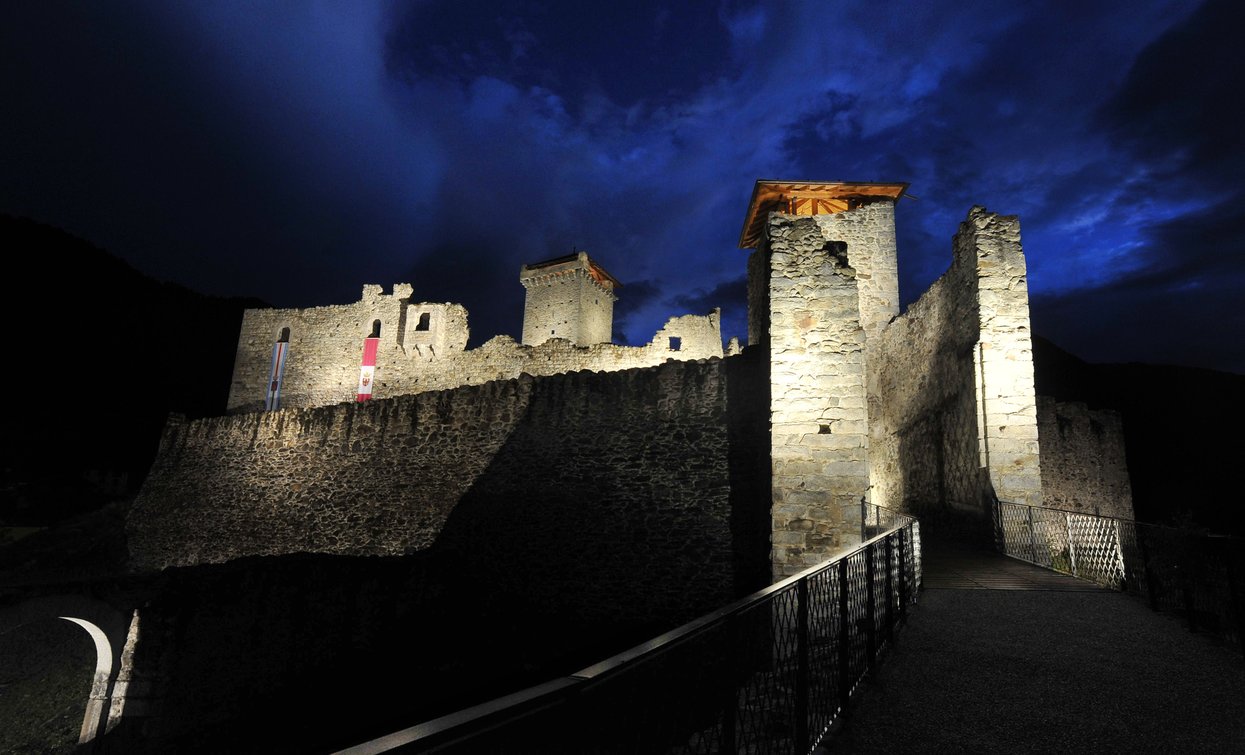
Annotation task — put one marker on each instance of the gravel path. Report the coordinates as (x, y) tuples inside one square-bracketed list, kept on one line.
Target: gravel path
[(1048, 670)]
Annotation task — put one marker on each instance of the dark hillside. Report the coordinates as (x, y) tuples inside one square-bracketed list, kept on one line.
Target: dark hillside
[(99, 356), (1183, 427)]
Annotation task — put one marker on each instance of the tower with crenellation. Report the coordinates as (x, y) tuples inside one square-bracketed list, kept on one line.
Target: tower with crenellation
[(569, 297)]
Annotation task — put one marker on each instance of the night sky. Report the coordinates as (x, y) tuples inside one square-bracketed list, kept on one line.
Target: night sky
[(294, 151)]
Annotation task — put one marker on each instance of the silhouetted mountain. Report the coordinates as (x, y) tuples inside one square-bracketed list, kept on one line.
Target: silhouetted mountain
[(100, 355), (1182, 427)]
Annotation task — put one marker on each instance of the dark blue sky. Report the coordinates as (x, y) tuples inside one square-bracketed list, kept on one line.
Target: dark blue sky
[(296, 150)]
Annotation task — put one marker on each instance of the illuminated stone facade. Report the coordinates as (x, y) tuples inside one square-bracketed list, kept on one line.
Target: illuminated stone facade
[(1083, 464), (933, 411), (930, 411), (423, 346), (570, 298)]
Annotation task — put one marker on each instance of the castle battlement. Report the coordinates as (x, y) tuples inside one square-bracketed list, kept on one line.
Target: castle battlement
[(388, 344)]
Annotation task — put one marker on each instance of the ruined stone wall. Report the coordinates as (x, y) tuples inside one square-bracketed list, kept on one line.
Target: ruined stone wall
[(326, 348), (953, 415), (922, 402), (620, 474), (1007, 399), (819, 433), (1083, 462), (869, 232)]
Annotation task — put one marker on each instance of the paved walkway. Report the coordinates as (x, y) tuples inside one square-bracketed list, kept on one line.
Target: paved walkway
[(1000, 656)]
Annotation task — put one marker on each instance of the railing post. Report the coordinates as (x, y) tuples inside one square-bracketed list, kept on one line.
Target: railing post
[(1120, 564), (801, 667), (739, 634), (1235, 588), (1186, 587), (845, 638), (864, 531), (1067, 518), (903, 578), (1152, 594), (890, 591), (1032, 536), (871, 628), (730, 720)]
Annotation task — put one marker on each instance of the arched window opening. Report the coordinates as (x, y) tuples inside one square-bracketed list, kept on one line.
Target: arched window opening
[(423, 323), (375, 329), (276, 372)]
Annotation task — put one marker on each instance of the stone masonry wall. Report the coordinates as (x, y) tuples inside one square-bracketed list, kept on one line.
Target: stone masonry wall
[(326, 348), (952, 404), (1083, 463), (565, 301), (627, 475), (1008, 437), (869, 232), (819, 440), (922, 402)]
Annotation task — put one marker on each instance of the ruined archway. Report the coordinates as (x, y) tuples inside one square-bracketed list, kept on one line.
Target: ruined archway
[(106, 629)]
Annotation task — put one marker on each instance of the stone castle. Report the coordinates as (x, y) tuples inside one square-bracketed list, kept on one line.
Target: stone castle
[(383, 503), (933, 409)]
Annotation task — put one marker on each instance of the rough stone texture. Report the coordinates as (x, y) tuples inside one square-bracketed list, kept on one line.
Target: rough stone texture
[(326, 348), (1083, 465), (869, 232), (952, 408), (819, 433), (1008, 438), (566, 300), (590, 463), (547, 522)]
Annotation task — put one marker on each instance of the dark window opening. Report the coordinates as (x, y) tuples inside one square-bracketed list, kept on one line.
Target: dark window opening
[(285, 336), (823, 429), (676, 344), (375, 329), (423, 321)]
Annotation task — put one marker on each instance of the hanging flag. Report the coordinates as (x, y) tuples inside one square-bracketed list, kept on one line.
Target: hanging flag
[(367, 372), (272, 400)]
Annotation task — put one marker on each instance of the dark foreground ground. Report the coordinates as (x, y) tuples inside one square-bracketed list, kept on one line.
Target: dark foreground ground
[(1003, 657)]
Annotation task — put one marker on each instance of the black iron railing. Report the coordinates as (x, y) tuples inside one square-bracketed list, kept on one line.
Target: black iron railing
[(768, 674), (1199, 576)]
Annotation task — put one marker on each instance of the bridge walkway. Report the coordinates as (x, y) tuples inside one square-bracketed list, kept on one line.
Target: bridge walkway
[(1001, 656)]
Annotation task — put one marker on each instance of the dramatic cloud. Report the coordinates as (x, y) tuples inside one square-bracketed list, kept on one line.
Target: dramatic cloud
[(295, 151)]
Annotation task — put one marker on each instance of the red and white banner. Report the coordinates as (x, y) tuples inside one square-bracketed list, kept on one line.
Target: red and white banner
[(367, 372), (275, 375)]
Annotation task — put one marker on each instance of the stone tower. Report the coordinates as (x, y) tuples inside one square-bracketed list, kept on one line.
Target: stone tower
[(822, 284), (568, 297)]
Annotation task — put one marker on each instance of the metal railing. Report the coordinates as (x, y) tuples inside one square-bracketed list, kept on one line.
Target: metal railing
[(1199, 576), (767, 674)]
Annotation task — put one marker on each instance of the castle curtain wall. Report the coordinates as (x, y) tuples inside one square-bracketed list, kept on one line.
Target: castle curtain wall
[(423, 348), (1083, 463), (550, 520), (618, 480), (953, 408)]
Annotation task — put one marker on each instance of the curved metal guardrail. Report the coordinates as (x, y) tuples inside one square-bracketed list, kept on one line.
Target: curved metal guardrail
[(1199, 576), (767, 674)]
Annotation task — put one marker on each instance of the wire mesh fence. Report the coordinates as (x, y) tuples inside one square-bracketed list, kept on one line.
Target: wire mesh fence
[(770, 673), (1199, 576)]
